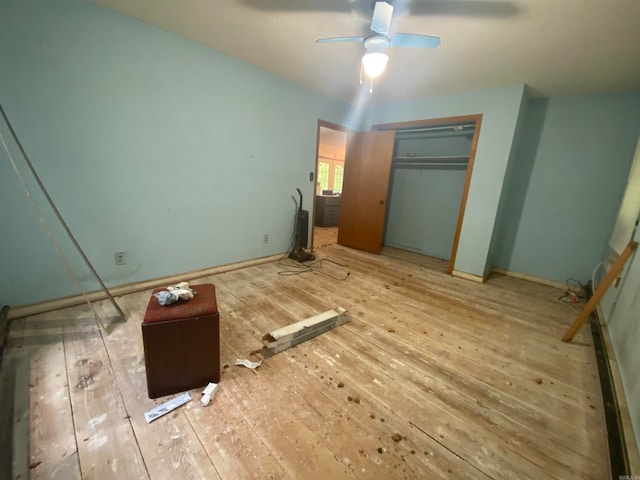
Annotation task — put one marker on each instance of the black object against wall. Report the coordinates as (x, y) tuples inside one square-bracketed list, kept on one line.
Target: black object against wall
[(618, 457), (301, 234), (4, 329)]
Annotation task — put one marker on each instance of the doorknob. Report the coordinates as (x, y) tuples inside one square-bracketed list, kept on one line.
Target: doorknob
[(381, 202)]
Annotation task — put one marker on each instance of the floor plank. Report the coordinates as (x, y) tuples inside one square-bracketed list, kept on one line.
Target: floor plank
[(107, 446), (454, 398), (53, 441), (365, 444), (434, 377), (324, 236)]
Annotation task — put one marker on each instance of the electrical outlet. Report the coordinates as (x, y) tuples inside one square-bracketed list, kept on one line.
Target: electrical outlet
[(265, 238), (121, 258)]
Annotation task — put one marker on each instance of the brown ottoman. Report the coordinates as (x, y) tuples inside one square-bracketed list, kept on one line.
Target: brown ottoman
[(182, 343)]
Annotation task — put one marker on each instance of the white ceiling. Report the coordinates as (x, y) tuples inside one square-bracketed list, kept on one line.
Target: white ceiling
[(329, 136), (557, 47)]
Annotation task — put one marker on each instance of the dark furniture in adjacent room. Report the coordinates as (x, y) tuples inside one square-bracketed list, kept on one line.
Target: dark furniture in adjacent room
[(327, 210)]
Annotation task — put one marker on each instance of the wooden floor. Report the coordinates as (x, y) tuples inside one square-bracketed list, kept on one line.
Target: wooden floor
[(435, 377), (324, 236)]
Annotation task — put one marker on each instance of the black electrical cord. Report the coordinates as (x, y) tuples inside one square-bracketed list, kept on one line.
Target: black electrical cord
[(313, 267), (576, 287), (574, 292)]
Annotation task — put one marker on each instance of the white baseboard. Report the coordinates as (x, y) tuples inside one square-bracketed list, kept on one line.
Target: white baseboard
[(531, 278), (64, 302), (469, 276)]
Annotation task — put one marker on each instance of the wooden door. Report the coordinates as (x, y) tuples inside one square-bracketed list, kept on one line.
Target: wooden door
[(365, 187)]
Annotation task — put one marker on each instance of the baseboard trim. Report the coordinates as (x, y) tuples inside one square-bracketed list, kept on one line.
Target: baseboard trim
[(469, 276), (531, 278), (631, 457), (64, 302)]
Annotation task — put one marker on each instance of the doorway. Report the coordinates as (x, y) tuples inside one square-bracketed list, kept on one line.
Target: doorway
[(330, 161)]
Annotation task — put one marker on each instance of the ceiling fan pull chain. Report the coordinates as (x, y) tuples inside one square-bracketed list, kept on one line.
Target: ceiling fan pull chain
[(361, 73), (371, 86)]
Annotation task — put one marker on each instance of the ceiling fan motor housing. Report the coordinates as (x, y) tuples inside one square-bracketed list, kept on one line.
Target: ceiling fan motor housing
[(376, 43)]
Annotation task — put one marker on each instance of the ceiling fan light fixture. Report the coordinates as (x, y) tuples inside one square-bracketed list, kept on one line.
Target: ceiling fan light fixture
[(374, 63)]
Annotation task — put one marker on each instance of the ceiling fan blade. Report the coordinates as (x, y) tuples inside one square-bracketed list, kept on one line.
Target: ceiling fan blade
[(381, 20), (340, 39), (413, 40)]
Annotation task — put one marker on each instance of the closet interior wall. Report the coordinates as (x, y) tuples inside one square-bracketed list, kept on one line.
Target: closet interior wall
[(427, 181)]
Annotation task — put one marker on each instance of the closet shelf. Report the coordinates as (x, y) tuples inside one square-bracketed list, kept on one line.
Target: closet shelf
[(439, 159)]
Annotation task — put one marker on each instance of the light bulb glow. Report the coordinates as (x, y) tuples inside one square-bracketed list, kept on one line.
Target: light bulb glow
[(374, 63)]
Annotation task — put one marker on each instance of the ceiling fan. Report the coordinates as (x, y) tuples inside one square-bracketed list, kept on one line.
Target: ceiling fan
[(375, 60)]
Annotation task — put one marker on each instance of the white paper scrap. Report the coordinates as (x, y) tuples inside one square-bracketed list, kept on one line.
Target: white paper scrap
[(248, 363), (208, 393), (166, 407)]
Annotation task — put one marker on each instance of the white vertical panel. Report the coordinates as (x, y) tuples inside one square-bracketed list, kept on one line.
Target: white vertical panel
[(629, 209)]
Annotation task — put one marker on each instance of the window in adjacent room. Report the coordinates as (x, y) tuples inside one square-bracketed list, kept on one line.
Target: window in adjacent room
[(330, 173), (323, 175), (338, 175)]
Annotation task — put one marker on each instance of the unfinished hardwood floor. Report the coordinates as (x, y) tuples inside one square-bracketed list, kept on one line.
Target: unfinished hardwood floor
[(324, 236), (434, 377)]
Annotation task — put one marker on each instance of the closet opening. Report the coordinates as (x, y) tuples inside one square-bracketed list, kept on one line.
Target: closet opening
[(429, 182), (330, 162)]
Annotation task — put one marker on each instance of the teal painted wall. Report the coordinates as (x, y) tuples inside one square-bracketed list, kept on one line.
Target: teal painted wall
[(506, 198), (571, 167), (423, 203), (177, 154), (423, 209), (500, 108)]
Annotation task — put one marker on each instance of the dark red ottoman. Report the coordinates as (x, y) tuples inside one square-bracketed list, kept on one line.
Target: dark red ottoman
[(182, 343)]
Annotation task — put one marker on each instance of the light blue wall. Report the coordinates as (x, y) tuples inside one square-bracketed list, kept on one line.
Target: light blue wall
[(571, 166), (423, 209), (179, 155), (500, 108), (506, 197), (423, 202)]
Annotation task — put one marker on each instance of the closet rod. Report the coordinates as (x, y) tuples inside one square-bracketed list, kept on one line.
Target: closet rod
[(432, 158), (429, 129)]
